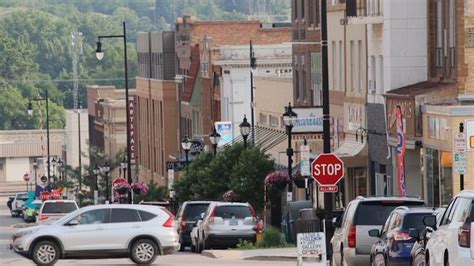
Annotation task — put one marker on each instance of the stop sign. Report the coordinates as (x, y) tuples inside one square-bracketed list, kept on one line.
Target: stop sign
[(26, 177), (327, 169)]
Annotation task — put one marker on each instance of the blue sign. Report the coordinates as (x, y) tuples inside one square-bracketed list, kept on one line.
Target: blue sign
[(225, 130)]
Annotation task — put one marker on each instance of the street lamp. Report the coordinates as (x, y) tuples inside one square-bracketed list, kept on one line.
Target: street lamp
[(30, 112), (96, 171), (214, 137), (53, 164), (106, 170), (245, 130), (186, 145), (60, 168), (35, 167), (100, 54), (289, 118), (123, 166)]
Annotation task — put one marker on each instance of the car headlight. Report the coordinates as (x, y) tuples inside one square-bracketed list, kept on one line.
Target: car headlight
[(24, 233)]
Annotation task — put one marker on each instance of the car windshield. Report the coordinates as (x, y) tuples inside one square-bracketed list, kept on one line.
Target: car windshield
[(192, 212), (229, 212), (376, 212), (22, 196), (415, 221), (59, 207)]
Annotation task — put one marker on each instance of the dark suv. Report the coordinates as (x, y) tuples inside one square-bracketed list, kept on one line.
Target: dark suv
[(188, 214), (394, 241)]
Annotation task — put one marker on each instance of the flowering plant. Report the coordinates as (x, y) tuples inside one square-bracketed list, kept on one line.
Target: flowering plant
[(121, 188), (277, 178), (139, 188), (229, 196)]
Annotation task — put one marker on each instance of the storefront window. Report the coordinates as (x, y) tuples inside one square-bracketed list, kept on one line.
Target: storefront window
[(359, 181), (439, 179)]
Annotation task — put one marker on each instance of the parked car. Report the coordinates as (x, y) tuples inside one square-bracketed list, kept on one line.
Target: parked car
[(188, 214), (31, 210), (101, 231), (17, 203), (53, 210), (351, 243), (452, 243), (418, 250), (396, 239), (9, 202), (226, 224)]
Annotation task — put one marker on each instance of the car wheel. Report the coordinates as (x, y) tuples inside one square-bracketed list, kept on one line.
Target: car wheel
[(144, 251), (45, 253), (379, 260)]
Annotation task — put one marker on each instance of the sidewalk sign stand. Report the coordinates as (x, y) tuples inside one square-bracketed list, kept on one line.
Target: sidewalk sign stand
[(311, 248)]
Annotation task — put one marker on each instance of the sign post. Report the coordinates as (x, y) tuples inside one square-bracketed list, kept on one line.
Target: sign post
[(26, 177), (460, 159)]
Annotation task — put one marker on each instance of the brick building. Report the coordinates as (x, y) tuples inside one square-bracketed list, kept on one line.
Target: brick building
[(197, 46)]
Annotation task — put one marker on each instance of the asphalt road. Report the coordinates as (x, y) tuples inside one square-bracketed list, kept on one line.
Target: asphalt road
[(8, 257)]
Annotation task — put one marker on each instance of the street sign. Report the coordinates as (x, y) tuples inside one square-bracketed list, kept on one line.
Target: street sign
[(459, 143), (327, 169), (305, 167), (289, 196), (170, 179), (328, 189), (175, 165), (26, 177), (460, 163)]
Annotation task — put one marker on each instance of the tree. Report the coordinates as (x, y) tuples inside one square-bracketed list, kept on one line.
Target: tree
[(234, 168)]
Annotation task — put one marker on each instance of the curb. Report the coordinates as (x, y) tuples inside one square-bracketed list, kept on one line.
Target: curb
[(272, 258), (208, 254)]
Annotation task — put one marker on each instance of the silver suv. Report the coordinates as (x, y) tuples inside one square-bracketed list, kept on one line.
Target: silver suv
[(225, 224), (351, 243)]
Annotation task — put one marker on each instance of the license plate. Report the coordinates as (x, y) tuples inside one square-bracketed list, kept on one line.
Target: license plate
[(233, 222)]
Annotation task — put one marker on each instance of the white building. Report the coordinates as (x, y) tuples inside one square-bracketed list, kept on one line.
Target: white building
[(272, 60), (72, 137)]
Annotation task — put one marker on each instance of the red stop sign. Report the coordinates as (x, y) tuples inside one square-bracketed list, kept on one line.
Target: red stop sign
[(26, 177), (327, 169)]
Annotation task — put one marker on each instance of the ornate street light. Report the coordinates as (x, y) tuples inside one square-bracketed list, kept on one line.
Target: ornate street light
[(289, 118), (186, 145), (245, 130), (106, 170), (214, 137)]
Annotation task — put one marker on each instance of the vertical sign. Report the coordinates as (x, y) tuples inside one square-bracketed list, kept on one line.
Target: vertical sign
[(131, 111), (401, 146), (304, 164), (170, 179), (225, 130)]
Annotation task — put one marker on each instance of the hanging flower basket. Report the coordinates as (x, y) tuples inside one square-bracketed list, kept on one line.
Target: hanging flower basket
[(277, 179), (139, 188), (121, 188), (229, 196)]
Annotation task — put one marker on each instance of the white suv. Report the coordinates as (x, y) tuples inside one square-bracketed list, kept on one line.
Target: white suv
[(53, 210), (101, 231), (453, 241)]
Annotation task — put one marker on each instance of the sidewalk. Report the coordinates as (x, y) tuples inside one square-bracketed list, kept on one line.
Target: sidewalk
[(272, 254), (10, 188)]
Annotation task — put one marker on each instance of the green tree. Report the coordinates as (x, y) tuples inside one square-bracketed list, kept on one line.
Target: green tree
[(234, 168)]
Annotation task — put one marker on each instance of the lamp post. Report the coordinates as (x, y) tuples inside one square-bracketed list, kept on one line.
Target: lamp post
[(123, 166), (253, 67), (106, 170), (214, 137), (186, 145), (35, 167), (60, 164), (96, 171), (53, 164), (30, 112), (288, 118), (100, 54), (245, 130)]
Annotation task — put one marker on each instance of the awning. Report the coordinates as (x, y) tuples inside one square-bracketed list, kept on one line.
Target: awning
[(353, 153), (264, 138)]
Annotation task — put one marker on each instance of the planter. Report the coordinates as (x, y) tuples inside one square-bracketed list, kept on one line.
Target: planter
[(121, 190), (279, 185)]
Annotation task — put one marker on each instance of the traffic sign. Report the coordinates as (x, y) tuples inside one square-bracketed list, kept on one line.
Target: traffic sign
[(26, 177), (459, 143), (305, 167), (460, 163), (327, 169), (328, 189)]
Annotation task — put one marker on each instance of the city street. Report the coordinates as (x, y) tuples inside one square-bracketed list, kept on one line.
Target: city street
[(8, 257)]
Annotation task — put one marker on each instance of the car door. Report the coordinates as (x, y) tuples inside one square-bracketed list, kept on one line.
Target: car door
[(88, 234), (124, 225), (381, 246), (437, 242), (460, 213)]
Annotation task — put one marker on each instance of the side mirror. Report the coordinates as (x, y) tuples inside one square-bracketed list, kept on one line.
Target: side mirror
[(374, 233), (202, 216), (430, 220), (336, 222), (414, 233), (73, 223)]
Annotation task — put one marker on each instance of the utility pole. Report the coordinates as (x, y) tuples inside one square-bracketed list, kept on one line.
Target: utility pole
[(328, 197), (77, 50)]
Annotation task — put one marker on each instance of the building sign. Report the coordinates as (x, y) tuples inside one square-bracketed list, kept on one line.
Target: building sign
[(196, 147), (411, 115), (353, 120), (469, 128), (131, 111), (310, 120), (226, 132)]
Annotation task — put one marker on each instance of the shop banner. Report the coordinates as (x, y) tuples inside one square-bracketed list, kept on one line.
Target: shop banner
[(401, 147)]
